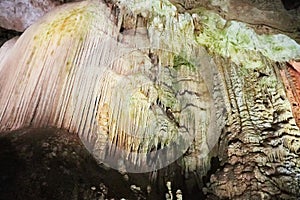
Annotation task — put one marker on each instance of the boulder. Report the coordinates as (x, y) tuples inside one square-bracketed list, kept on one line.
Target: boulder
[(20, 14)]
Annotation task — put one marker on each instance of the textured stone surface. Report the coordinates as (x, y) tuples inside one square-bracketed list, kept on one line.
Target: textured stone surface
[(260, 154), (71, 74), (133, 86), (53, 164), (5, 48), (290, 74), (266, 16), (259, 144), (263, 16), (20, 14)]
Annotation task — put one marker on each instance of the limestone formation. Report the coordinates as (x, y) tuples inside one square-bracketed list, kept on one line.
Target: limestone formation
[(130, 96), (144, 83), (270, 16)]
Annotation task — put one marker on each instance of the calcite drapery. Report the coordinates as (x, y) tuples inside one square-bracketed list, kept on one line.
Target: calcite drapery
[(134, 101), (144, 74), (259, 146)]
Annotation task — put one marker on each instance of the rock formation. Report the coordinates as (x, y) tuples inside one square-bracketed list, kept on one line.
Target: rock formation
[(53, 164), (20, 14), (145, 83)]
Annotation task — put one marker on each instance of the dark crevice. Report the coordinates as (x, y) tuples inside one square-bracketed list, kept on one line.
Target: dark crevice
[(235, 140), (6, 35), (215, 164), (270, 129), (122, 29), (261, 75), (290, 4)]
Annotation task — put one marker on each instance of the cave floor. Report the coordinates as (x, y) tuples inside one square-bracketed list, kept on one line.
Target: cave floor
[(53, 164)]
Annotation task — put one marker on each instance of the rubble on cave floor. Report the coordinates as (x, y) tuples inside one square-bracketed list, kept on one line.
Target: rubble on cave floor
[(53, 164)]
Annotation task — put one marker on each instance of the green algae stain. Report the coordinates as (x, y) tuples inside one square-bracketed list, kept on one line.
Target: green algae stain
[(268, 82), (69, 24), (31, 56), (235, 41), (229, 39), (179, 62), (167, 97), (60, 34)]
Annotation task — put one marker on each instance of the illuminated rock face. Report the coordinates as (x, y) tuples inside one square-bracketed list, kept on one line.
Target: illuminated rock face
[(262, 152), (271, 16), (258, 149), (131, 102), (143, 85)]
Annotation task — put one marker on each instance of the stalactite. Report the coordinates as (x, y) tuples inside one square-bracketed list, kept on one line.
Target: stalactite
[(135, 82), (131, 97)]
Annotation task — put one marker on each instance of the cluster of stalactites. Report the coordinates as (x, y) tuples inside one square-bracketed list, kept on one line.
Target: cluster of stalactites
[(127, 101)]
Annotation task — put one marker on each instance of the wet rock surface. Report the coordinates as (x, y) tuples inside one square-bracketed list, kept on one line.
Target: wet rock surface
[(53, 164)]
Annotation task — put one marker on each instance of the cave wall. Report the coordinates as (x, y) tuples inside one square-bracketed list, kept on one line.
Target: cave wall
[(202, 73)]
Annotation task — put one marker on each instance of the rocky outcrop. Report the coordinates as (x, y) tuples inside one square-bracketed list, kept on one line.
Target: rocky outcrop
[(20, 14), (290, 74), (53, 164), (264, 16), (261, 159), (257, 149)]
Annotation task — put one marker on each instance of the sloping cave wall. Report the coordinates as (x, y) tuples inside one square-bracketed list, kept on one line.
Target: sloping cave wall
[(256, 155)]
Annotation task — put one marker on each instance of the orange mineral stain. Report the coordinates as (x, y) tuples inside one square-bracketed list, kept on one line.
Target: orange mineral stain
[(291, 79)]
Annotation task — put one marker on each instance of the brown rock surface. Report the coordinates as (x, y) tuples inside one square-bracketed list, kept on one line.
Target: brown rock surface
[(20, 14), (54, 164), (264, 16), (290, 74), (259, 149)]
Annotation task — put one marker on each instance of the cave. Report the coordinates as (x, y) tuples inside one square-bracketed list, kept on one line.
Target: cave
[(161, 99)]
